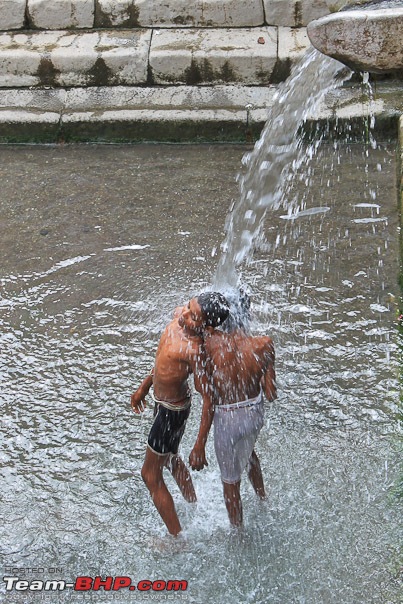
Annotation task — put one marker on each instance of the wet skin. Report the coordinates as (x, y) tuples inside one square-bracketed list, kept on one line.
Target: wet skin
[(179, 354), (240, 367)]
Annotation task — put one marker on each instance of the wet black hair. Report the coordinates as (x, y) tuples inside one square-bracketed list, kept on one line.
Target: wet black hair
[(214, 307)]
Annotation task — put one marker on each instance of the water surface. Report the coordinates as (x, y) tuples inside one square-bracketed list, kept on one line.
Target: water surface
[(98, 244)]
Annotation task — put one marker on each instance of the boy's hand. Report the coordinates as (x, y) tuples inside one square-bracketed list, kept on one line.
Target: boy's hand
[(197, 458), (138, 402)]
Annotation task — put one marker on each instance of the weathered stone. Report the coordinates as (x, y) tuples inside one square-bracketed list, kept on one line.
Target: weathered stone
[(201, 56), (370, 40), (68, 59), (116, 13), (12, 14), (292, 43), (298, 13), (30, 115), (171, 113), (179, 13), (61, 14), (315, 9), (36, 102), (18, 64), (172, 98)]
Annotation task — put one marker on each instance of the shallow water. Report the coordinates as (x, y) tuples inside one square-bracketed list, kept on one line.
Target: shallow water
[(98, 244)]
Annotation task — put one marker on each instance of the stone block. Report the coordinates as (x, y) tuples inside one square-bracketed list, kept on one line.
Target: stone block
[(292, 43), (116, 13), (171, 113), (36, 102), (61, 14), (12, 14), (178, 13), (298, 13), (171, 98), (74, 59), (30, 115), (365, 40), (203, 56), (314, 9), (18, 63)]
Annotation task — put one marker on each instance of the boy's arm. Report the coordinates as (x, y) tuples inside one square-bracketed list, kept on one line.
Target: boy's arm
[(197, 457), (137, 400), (269, 376), (269, 383)]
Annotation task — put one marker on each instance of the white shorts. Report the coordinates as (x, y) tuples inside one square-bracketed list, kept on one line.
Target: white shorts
[(236, 428)]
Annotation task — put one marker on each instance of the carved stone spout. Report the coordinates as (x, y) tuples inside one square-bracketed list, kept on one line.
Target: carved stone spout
[(366, 37)]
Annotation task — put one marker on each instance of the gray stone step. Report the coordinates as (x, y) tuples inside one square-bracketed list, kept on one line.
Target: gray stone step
[(198, 56), (76, 14), (250, 56), (60, 58), (170, 113), (179, 13)]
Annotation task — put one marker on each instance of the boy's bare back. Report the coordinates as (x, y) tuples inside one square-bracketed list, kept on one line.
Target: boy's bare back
[(241, 365)]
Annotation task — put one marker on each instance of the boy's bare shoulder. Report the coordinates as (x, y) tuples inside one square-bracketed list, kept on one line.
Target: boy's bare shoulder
[(264, 344), (213, 338)]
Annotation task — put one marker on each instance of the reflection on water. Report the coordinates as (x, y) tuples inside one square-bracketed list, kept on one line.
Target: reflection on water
[(98, 244)]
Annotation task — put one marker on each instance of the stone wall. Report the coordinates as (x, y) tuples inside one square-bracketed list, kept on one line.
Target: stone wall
[(85, 14), (135, 70), (144, 42)]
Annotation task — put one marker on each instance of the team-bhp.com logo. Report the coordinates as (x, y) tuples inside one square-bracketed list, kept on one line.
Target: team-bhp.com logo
[(93, 584)]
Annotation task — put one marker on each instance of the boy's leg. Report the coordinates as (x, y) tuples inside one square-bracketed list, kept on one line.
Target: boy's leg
[(255, 475), (151, 473), (181, 474), (232, 498)]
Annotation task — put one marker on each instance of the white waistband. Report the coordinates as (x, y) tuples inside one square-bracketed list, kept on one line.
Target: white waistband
[(250, 402), (179, 406)]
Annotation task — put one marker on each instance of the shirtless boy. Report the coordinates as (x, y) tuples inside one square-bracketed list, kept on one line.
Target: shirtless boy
[(180, 353), (241, 367)]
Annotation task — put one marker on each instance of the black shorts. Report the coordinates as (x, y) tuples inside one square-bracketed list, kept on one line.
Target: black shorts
[(167, 430)]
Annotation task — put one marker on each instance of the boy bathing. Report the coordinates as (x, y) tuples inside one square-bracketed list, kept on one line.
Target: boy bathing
[(241, 369), (180, 353)]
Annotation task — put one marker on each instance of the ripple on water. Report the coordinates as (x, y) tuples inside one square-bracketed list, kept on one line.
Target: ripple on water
[(76, 337)]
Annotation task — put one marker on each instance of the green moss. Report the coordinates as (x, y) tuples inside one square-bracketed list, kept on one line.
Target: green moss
[(298, 14), (100, 74), (227, 73), (182, 20), (134, 15), (105, 20), (47, 73), (101, 18), (198, 72), (157, 131), (202, 71), (281, 71)]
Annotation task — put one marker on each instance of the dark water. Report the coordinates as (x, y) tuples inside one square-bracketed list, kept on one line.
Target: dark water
[(98, 244)]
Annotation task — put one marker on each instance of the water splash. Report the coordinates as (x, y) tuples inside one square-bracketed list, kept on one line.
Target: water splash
[(276, 156)]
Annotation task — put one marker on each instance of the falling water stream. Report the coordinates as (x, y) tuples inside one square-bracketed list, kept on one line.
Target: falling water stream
[(98, 244), (275, 157)]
